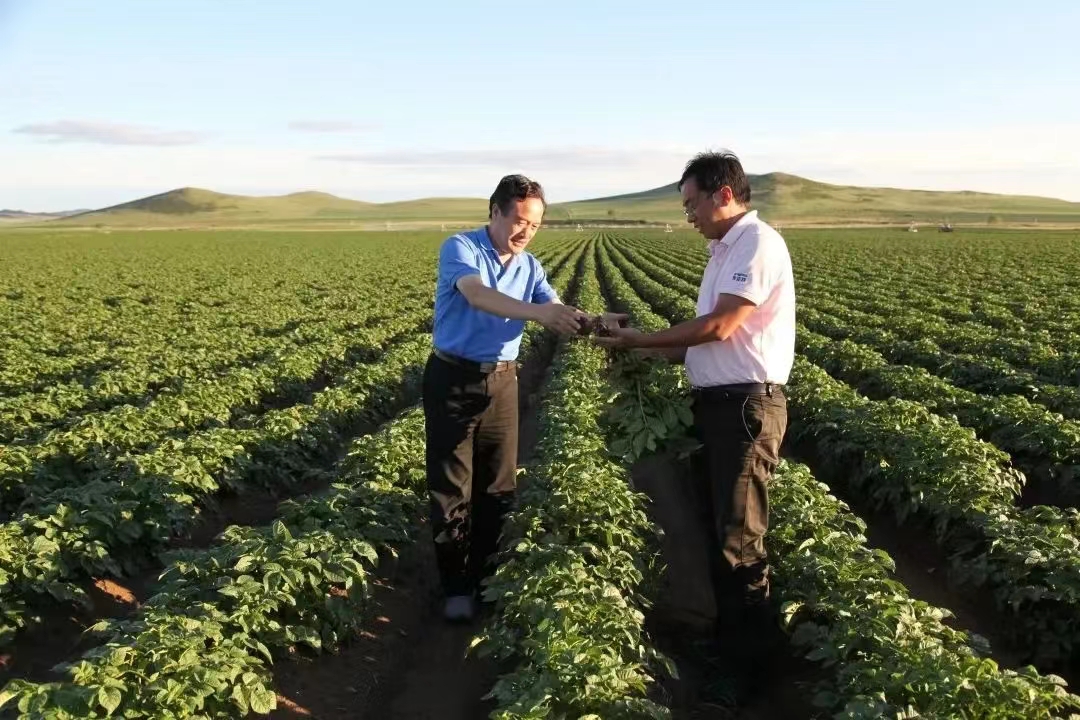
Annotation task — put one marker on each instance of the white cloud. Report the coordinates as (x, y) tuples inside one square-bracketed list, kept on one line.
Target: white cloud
[(1037, 160), (549, 158), (328, 126), (82, 131)]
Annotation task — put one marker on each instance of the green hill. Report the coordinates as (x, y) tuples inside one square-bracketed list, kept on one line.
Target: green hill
[(790, 199), (195, 207), (781, 198)]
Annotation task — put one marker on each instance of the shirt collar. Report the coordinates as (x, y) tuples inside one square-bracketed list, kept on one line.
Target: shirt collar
[(490, 246), (733, 233)]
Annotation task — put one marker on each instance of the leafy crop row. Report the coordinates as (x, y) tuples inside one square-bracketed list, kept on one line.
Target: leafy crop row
[(567, 593), (164, 362), (903, 457), (1038, 441), (98, 310), (114, 524), (890, 654), (198, 647), (1011, 286), (650, 409), (978, 372), (64, 457), (914, 462), (201, 645), (1053, 355)]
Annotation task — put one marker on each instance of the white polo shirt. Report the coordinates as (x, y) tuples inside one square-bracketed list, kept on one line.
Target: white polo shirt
[(750, 261)]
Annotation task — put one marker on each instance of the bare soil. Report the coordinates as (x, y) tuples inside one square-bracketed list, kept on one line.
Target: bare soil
[(406, 664)]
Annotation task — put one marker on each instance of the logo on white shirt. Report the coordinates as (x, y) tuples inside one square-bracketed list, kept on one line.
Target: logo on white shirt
[(740, 277)]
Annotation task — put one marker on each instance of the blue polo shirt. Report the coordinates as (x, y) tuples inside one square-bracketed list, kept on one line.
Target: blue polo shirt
[(461, 329)]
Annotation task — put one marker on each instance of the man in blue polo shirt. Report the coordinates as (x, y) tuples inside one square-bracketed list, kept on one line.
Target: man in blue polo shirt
[(488, 287)]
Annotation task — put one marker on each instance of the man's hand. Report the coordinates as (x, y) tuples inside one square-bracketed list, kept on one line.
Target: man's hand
[(612, 320), (562, 319), (618, 338), (627, 339)]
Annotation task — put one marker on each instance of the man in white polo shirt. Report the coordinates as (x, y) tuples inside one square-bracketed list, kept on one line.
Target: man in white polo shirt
[(738, 353)]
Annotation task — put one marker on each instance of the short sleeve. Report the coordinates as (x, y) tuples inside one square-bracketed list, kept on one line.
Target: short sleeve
[(542, 290), (457, 258), (748, 271)]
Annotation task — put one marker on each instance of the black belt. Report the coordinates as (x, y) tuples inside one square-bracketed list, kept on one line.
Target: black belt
[(483, 367), (738, 390)]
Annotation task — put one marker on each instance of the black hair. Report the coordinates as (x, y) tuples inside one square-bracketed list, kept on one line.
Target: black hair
[(713, 170), (511, 189)]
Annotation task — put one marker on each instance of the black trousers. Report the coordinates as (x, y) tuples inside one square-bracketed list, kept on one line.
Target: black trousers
[(741, 437), (471, 424)]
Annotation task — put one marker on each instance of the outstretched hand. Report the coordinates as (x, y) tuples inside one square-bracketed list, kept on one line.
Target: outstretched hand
[(618, 338), (563, 319), (611, 320)]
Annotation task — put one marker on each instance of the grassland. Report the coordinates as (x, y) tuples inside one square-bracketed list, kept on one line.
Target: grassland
[(198, 208), (781, 198), (790, 199)]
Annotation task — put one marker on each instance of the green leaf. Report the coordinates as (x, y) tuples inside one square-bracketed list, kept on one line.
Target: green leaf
[(189, 657), (109, 698), (264, 651), (263, 701), (239, 696), (281, 531), (657, 427)]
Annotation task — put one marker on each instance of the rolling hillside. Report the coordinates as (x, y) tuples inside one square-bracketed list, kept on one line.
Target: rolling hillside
[(780, 197), (195, 207), (21, 216), (791, 199)]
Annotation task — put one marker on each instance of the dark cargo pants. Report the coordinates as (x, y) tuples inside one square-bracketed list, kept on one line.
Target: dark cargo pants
[(471, 423)]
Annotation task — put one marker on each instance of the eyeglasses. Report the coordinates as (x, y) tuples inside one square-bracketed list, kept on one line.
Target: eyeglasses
[(691, 209)]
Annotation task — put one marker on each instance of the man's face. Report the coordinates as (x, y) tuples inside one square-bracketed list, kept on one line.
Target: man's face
[(513, 231), (698, 208)]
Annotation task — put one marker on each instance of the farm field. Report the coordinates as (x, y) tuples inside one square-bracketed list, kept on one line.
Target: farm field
[(212, 493)]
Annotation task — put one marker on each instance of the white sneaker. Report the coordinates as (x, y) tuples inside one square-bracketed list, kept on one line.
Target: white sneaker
[(459, 608)]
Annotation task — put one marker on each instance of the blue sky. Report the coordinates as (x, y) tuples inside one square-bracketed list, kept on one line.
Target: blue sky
[(106, 101)]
